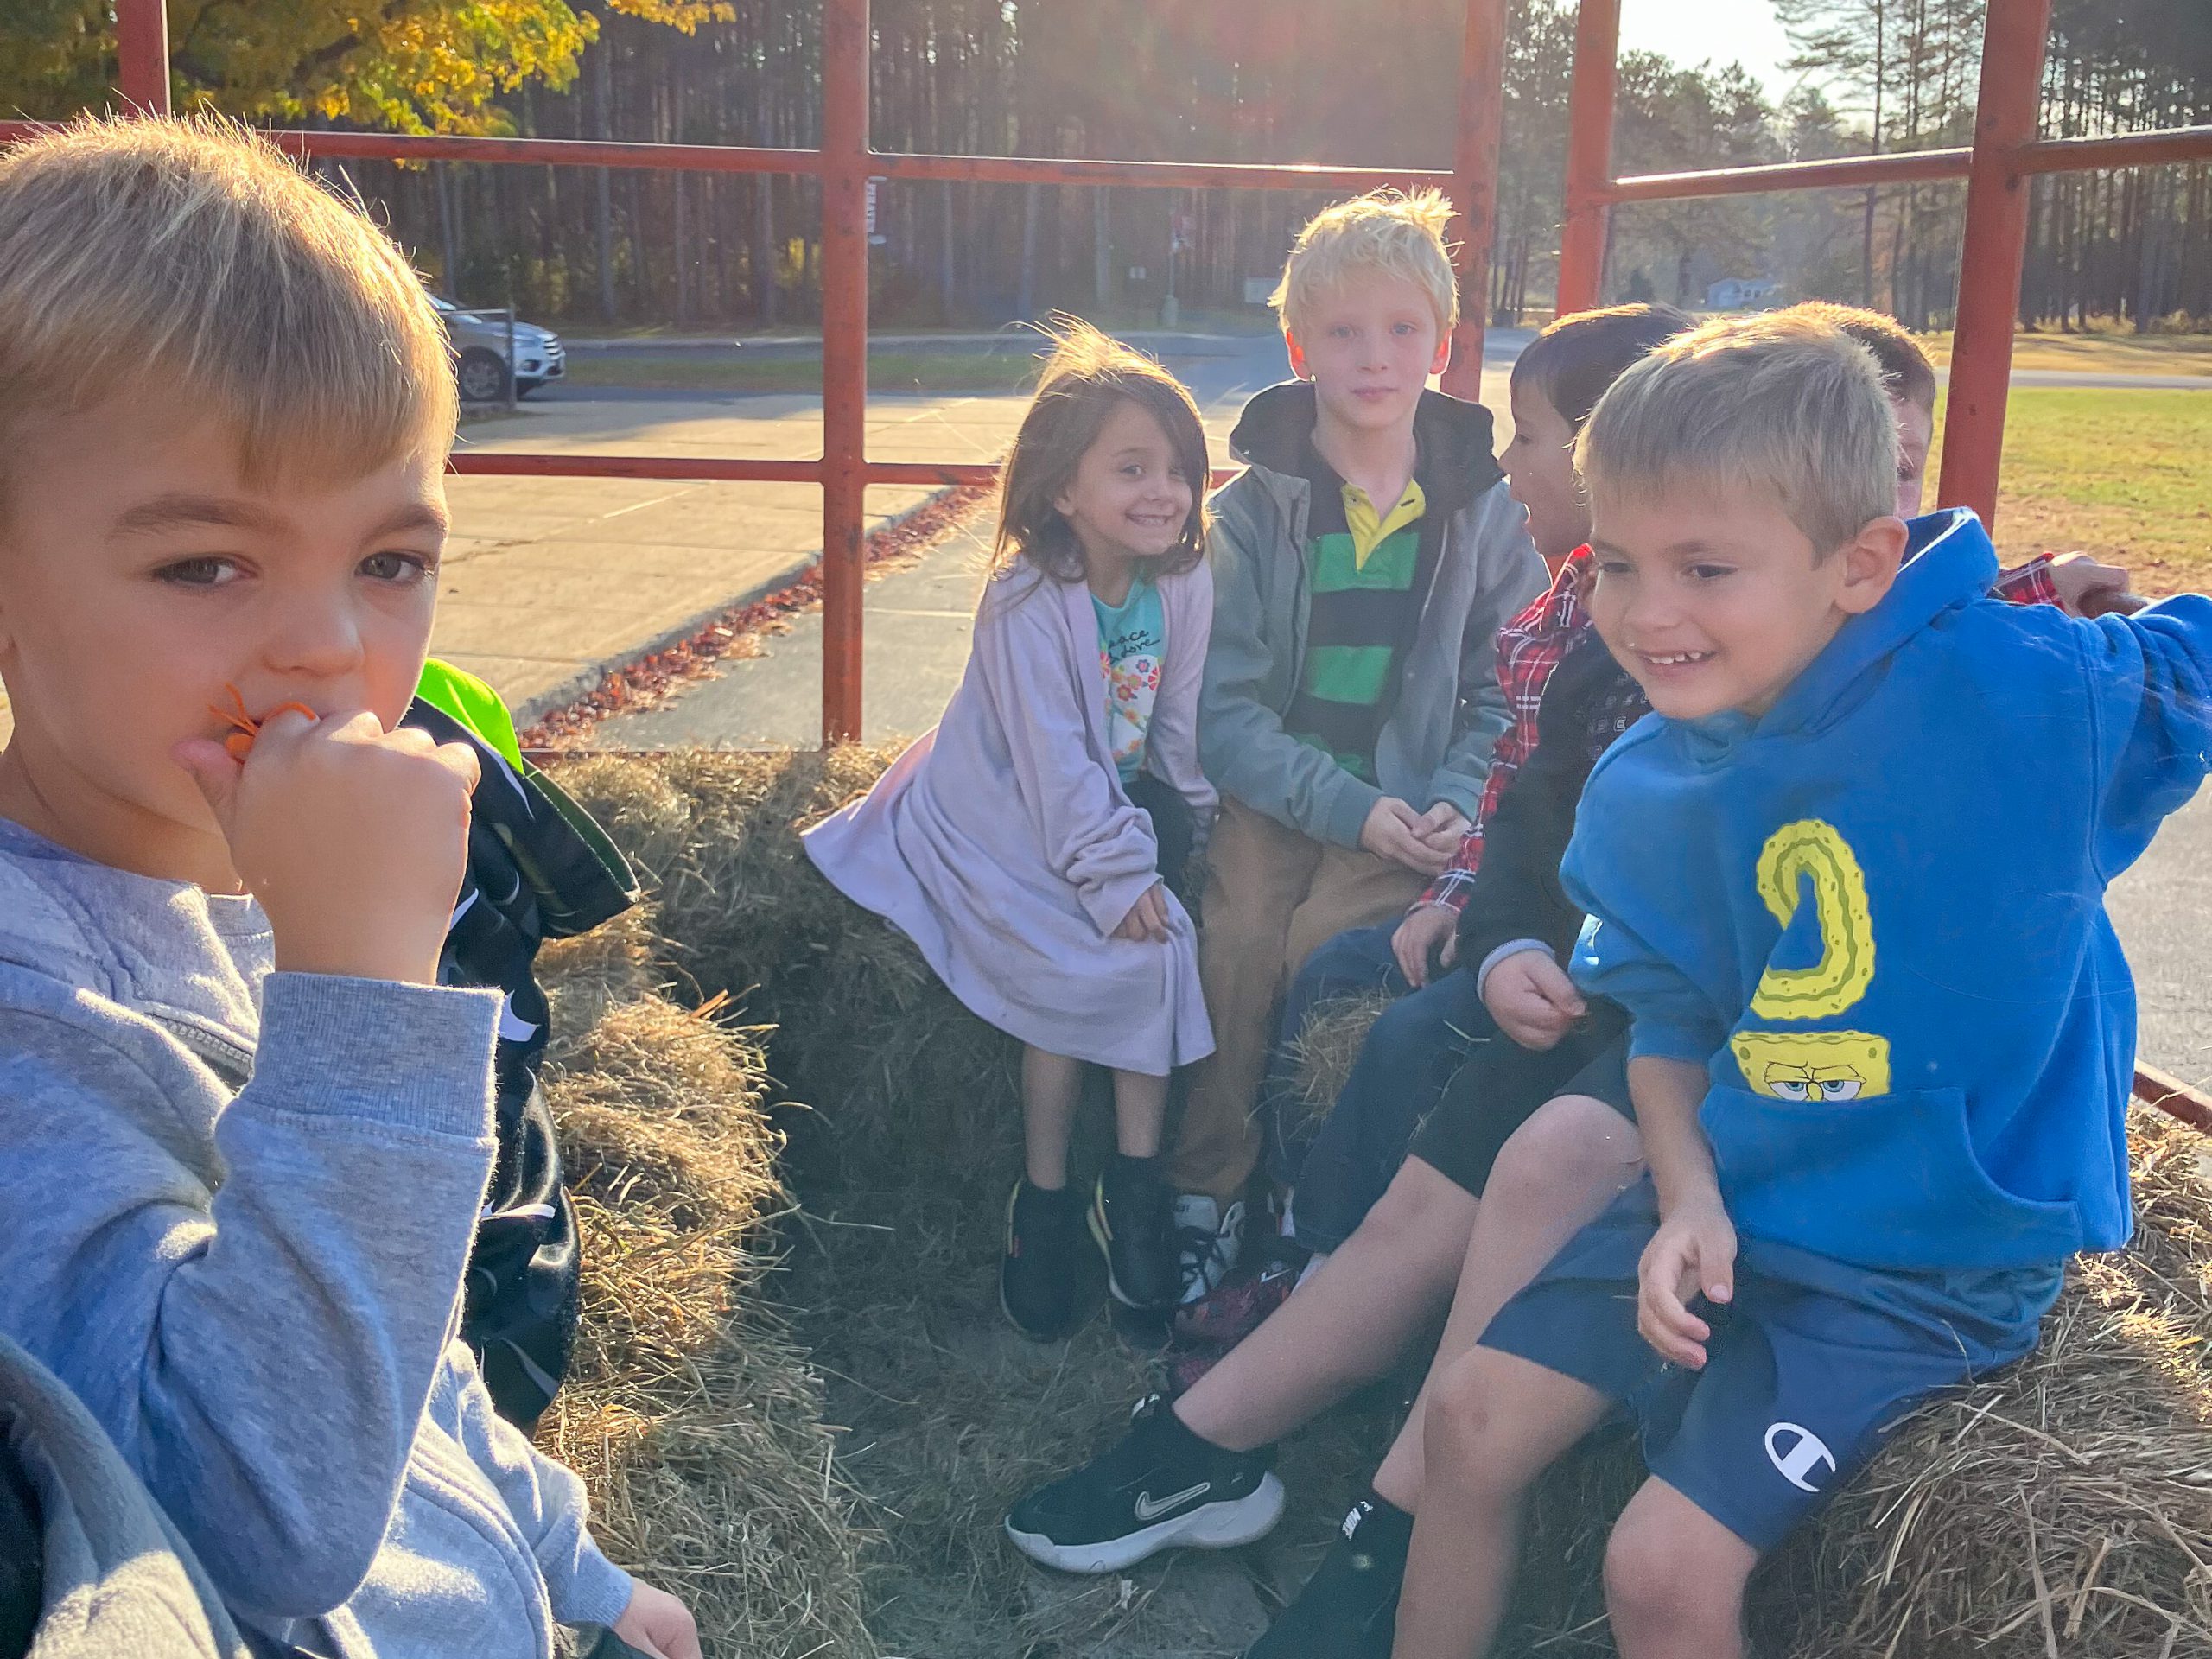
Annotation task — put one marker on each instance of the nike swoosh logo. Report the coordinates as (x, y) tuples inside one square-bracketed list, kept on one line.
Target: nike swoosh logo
[(1151, 1508)]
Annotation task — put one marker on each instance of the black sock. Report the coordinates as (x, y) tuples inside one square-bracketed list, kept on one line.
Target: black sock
[(1127, 1174), (1380, 1529), (1188, 1442)]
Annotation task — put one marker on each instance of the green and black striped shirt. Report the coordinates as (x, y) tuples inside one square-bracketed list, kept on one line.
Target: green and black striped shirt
[(1363, 570)]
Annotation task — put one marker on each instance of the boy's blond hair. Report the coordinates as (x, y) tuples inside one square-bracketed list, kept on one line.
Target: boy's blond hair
[(1385, 230), (189, 257), (1783, 403)]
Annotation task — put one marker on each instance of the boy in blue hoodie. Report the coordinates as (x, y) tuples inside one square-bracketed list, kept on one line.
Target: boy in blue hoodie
[(1848, 881), (248, 1132)]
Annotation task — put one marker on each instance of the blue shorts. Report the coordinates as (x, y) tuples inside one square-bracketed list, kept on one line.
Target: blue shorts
[(1810, 1368)]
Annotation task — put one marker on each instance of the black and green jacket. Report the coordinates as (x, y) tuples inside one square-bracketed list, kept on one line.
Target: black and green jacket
[(538, 869)]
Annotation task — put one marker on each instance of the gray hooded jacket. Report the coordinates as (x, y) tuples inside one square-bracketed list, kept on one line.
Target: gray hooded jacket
[(238, 1205), (1449, 710)]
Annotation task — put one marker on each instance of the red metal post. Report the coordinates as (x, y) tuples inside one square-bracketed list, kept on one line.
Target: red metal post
[(844, 358), (1474, 185), (2013, 44), (1589, 153), (142, 43)]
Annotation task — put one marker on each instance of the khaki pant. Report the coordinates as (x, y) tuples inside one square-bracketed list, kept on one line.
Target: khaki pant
[(1272, 896)]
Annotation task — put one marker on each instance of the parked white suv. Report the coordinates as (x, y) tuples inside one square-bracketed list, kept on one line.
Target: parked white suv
[(480, 345)]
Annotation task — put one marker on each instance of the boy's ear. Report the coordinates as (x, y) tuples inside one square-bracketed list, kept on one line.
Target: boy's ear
[(1298, 364), (1870, 564), (1443, 359)]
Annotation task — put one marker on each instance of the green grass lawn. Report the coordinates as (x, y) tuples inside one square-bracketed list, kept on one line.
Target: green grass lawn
[(716, 371), (2099, 352), (2125, 475)]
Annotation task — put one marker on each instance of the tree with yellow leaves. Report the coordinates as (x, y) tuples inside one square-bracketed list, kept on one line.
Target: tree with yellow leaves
[(407, 65)]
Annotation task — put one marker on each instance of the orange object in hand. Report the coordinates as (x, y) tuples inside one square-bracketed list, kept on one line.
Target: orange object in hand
[(245, 726)]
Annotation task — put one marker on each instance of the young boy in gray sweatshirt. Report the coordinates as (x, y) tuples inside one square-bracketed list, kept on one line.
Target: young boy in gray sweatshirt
[(247, 1135)]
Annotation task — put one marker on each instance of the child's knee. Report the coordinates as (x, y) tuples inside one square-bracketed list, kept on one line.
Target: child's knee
[(1466, 1433), (1572, 1141), (1418, 1225), (1661, 1575)]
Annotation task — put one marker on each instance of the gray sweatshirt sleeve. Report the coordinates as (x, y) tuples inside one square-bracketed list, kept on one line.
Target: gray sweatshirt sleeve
[(262, 1356), (546, 1499)]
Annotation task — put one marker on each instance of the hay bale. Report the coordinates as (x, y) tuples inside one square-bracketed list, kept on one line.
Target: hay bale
[(2064, 1506), (903, 1114), (893, 1070), (691, 1412), (913, 1129), (1323, 1051)]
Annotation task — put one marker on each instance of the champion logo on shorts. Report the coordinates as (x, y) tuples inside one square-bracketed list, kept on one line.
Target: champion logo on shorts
[(1796, 1452)]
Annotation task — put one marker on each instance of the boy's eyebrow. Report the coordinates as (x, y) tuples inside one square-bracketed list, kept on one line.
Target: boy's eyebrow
[(416, 515), (180, 510)]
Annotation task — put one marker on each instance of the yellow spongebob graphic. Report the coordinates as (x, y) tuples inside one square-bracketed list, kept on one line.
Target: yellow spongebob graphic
[(1824, 1065), (1813, 1065)]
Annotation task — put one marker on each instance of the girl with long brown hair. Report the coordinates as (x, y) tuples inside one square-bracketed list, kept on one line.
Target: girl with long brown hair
[(1032, 843)]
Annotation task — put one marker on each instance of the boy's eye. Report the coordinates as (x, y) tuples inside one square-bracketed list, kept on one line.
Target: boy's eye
[(1402, 328), (1711, 572), (401, 567), (208, 572), (1342, 331)]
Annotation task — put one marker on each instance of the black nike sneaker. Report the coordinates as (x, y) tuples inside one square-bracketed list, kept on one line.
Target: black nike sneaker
[(1349, 1608), (1133, 1218), (1158, 1487), (1037, 1276)]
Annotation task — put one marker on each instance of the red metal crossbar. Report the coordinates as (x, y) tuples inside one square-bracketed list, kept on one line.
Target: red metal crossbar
[(2005, 154)]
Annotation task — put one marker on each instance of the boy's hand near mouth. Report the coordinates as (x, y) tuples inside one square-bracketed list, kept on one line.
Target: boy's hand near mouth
[(352, 838)]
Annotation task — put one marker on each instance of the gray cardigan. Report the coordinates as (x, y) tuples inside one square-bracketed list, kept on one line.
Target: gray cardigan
[(238, 1206)]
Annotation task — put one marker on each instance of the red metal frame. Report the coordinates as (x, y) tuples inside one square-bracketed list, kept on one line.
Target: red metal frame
[(2004, 155)]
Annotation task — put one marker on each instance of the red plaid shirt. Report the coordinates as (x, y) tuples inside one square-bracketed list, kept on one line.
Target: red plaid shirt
[(1531, 646)]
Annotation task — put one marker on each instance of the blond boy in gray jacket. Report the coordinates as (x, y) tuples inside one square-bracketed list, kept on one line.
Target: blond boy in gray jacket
[(247, 1133), (1363, 563)]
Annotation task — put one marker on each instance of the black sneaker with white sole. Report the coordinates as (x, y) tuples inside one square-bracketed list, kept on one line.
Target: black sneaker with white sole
[(1133, 1218), (1158, 1487)]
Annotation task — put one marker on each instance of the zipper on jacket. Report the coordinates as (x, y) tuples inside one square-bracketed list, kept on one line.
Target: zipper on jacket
[(231, 1062)]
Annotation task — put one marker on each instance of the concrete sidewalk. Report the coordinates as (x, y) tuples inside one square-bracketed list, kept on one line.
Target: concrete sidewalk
[(549, 579)]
